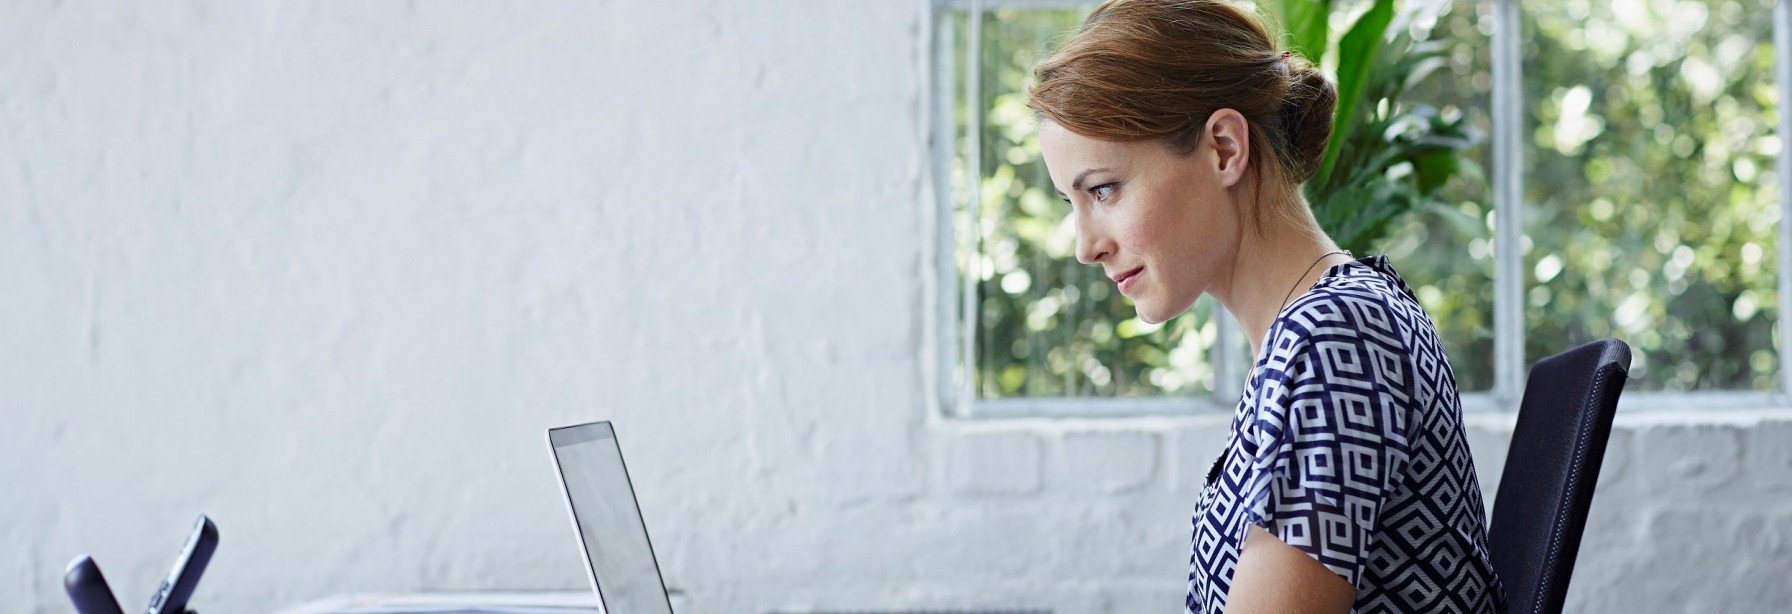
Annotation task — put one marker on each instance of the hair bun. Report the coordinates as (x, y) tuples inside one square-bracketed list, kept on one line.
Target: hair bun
[(1306, 117)]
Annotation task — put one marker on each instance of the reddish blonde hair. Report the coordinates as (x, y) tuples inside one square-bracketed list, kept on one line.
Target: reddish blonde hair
[(1158, 69)]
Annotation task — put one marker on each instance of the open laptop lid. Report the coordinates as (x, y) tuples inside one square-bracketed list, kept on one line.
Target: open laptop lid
[(618, 556)]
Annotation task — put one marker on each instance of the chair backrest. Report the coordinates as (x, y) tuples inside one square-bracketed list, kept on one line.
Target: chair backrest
[(1547, 486)]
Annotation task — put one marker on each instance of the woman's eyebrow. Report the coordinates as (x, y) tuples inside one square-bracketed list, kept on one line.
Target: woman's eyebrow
[(1078, 184)]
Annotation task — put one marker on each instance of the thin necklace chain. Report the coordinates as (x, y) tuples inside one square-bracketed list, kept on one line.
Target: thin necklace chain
[(1303, 275)]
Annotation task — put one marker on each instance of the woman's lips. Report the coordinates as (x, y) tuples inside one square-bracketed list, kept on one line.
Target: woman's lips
[(1126, 283)]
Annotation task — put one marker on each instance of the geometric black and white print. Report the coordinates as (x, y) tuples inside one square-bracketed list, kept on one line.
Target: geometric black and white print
[(1348, 444)]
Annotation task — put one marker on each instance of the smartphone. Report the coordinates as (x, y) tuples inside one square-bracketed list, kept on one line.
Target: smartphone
[(87, 588), (171, 596)]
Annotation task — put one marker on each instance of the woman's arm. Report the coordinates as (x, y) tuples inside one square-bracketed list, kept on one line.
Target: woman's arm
[(1273, 576)]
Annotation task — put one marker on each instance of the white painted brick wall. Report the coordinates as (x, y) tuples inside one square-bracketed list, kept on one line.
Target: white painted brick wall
[(998, 463), (326, 270)]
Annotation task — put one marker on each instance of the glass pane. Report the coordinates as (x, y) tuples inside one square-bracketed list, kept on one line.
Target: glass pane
[(1445, 252), (1650, 190), (1047, 325)]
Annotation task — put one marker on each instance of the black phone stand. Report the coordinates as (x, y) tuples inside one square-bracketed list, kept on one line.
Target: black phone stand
[(88, 589)]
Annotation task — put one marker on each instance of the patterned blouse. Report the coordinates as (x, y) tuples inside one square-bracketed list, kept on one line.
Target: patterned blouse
[(1348, 445)]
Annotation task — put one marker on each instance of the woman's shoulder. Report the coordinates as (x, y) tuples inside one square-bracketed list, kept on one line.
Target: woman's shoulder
[(1360, 301), (1360, 312)]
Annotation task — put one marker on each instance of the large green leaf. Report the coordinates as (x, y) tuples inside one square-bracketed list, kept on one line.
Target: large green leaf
[(1357, 51), (1304, 24), (1459, 222), (1387, 156), (1361, 212)]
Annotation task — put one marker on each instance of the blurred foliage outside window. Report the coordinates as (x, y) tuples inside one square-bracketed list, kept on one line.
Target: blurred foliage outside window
[(1651, 196), (1650, 203)]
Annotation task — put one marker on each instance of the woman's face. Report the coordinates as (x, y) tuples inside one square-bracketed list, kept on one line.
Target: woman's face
[(1138, 207)]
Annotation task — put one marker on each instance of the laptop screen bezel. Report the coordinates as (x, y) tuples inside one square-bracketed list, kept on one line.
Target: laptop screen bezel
[(584, 433)]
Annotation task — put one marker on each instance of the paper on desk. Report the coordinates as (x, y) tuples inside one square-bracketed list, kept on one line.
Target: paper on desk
[(459, 610), (580, 602)]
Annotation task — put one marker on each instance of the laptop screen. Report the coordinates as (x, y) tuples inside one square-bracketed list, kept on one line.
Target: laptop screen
[(608, 518)]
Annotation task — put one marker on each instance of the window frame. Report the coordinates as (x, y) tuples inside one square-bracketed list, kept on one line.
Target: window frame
[(951, 350)]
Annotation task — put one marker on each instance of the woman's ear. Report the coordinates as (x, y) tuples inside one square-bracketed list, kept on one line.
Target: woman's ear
[(1230, 136)]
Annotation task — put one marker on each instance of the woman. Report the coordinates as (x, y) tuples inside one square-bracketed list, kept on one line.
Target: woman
[(1180, 136)]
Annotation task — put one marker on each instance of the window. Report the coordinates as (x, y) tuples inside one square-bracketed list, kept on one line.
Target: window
[(1632, 149), (1651, 197)]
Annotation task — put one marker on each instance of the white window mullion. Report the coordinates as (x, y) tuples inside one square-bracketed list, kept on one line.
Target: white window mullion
[(943, 43), (973, 83), (1227, 372), (968, 5), (1782, 73), (1508, 194)]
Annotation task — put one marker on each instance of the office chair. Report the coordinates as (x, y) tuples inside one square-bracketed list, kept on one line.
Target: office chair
[(1547, 486)]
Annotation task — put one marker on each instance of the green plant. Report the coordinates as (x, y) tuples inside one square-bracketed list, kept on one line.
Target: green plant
[(1387, 156)]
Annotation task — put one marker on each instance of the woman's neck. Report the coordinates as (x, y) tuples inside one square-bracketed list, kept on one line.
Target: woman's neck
[(1268, 264)]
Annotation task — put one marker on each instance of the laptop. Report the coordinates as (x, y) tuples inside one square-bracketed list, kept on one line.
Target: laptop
[(618, 557)]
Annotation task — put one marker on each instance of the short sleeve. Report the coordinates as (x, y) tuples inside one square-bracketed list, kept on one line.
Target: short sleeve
[(1329, 440)]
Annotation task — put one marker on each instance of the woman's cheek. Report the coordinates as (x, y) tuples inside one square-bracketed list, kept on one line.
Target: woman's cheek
[(1144, 231)]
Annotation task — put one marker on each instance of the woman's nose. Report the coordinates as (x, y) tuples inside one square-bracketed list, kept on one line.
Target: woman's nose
[(1090, 250)]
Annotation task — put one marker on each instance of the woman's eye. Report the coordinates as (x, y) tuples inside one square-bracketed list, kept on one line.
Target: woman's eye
[(1097, 190)]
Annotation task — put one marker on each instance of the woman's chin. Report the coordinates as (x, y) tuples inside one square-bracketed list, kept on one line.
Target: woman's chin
[(1155, 312), (1149, 315)]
